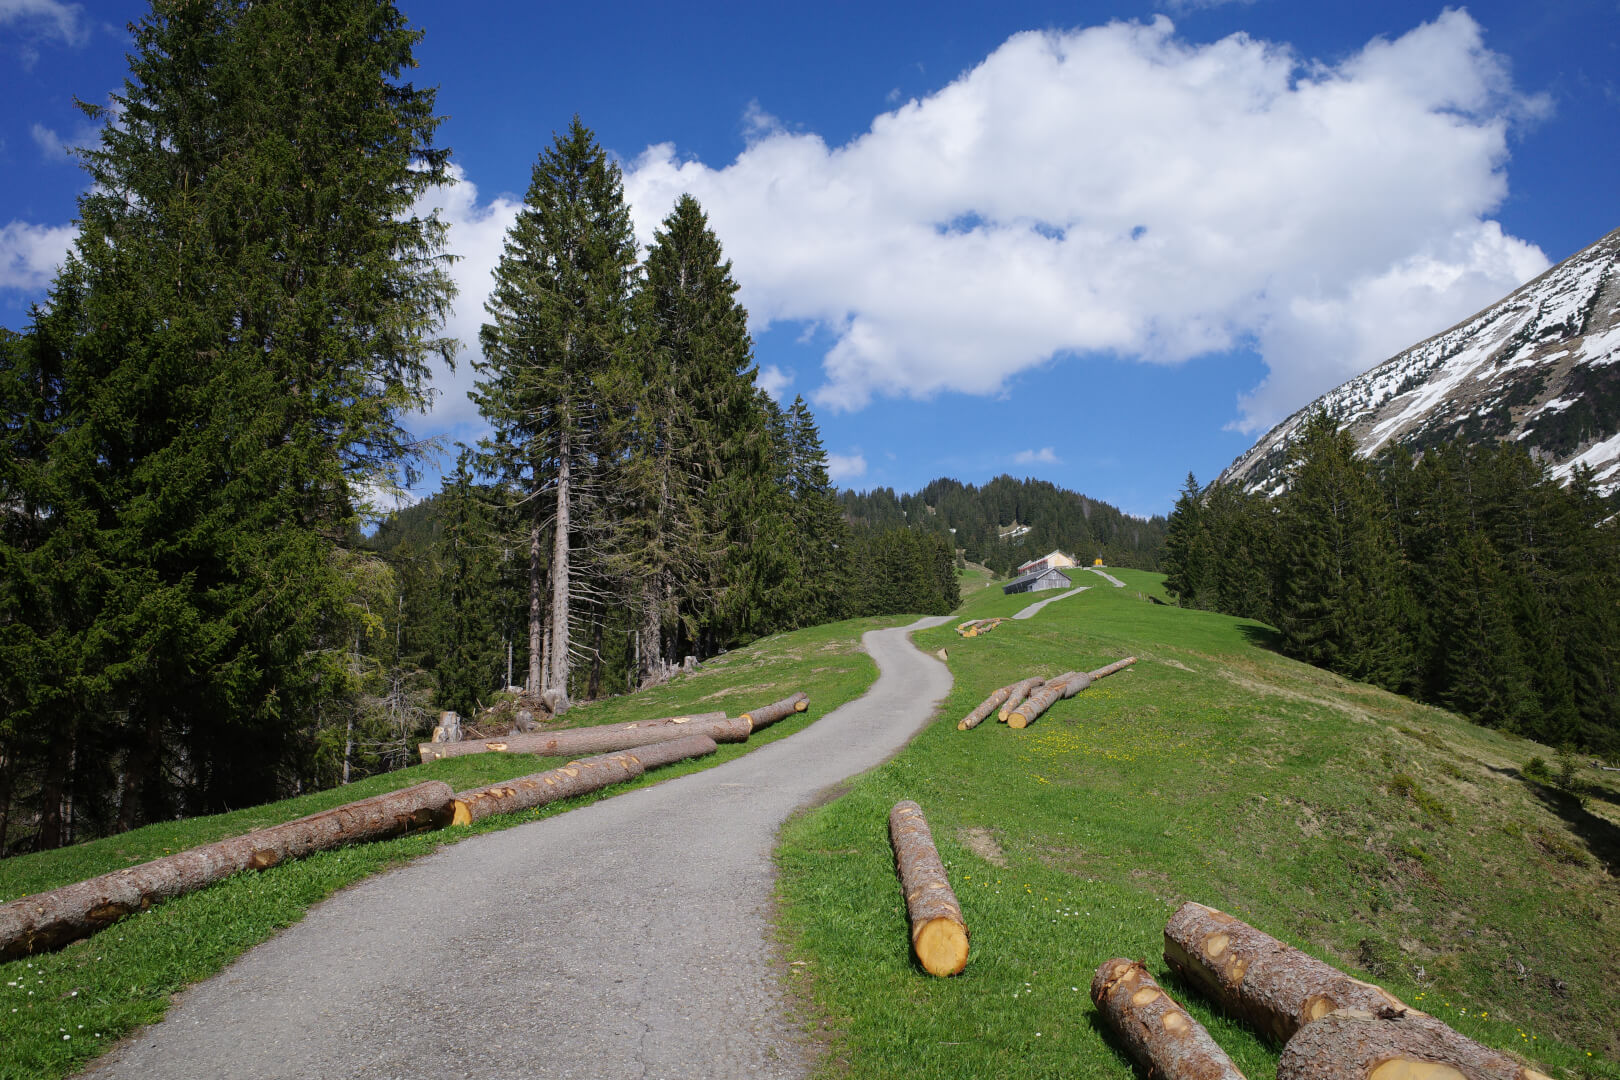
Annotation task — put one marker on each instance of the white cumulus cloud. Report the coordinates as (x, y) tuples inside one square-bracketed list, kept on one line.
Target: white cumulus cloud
[(1118, 189), (46, 18), (842, 467), (30, 254), (1043, 456), (773, 380)]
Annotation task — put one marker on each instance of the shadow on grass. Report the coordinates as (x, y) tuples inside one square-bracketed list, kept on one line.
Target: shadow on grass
[(1601, 837), (1110, 1038), (1261, 636)]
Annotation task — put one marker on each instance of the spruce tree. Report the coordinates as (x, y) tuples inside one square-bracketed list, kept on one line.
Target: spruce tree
[(557, 373)]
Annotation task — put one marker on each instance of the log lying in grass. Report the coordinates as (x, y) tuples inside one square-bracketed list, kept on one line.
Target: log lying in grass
[(986, 707), (52, 919), (1117, 665), (1039, 701), (575, 778), (1015, 698), (1353, 1044), (770, 714), (1157, 1033), (1274, 987), (576, 742), (939, 935)]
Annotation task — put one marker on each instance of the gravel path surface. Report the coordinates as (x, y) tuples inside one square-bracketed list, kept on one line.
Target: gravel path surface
[(1118, 584), (1029, 612), (626, 939)]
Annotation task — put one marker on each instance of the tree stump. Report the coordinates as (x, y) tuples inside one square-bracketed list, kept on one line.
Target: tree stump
[(449, 728), (986, 707), (1157, 1033), (1016, 696), (939, 935), (1275, 987), (1353, 1044), (52, 919), (575, 778), (577, 742), (770, 714)]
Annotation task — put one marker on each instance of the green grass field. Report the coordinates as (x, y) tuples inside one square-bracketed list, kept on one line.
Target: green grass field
[(59, 1010), (1396, 841)]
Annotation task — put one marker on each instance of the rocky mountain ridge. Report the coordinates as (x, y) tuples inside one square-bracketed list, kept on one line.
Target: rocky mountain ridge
[(1539, 367)]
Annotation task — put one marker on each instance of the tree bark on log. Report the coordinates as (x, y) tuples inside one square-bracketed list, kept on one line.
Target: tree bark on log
[(52, 919), (1353, 1044), (1157, 1033), (1117, 665), (770, 714), (1274, 987), (605, 739), (1041, 700), (939, 935), (575, 778), (1015, 698), (986, 707)]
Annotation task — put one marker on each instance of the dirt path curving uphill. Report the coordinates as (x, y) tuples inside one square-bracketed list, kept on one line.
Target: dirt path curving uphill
[(626, 939)]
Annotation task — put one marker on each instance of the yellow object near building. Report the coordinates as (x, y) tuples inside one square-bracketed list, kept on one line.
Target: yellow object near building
[(1096, 562)]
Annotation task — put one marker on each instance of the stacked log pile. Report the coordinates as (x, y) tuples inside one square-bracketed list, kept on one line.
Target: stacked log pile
[(975, 627), (1019, 704)]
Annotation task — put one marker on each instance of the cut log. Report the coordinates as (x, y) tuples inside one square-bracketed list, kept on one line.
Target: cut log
[(770, 714), (1353, 1044), (1157, 1033), (575, 778), (939, 935), (1117, 665), (1039, 701), (578, 742), (1274, 987), (1020, 691), (986, 707), (52, 919)]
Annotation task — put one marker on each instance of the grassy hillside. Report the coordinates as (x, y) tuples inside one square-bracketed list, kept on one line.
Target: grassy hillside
[(1394, 840), (61, 1009)]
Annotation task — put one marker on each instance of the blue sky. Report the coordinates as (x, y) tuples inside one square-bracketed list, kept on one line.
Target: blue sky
[(1100, 244)]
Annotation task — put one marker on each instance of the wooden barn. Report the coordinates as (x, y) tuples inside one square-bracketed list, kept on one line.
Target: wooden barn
[(1038, 580)]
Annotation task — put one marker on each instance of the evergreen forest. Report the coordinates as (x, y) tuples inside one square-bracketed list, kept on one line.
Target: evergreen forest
[(1467, 578)]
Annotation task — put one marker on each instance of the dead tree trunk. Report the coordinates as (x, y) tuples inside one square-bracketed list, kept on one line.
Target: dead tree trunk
[(575, 778), (1352, 1044), (986, 707), (576, 742), (939, 934), (770, 714), (1039, 701), (1274, 987), (1016, 696), (1157, 1033), (48, 920), (537, 603)]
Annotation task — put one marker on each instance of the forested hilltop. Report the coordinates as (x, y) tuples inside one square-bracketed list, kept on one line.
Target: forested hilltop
[(1468, 578), (1008, 522)]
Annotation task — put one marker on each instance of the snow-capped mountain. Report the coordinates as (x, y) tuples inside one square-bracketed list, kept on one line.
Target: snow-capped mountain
[(1540, 367)]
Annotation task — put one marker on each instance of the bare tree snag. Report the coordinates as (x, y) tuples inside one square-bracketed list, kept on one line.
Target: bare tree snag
[(575, 778), (52, 919), (1039, 701), (1274, 987), (1015, 697), (986, 707), (606, 738), (1157, 1033), (939, 934), (1353, 1044), (770, 714)]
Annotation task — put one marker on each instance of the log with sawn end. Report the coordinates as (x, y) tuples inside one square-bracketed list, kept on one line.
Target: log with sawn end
[(1275, 987), (574, 778), (52, 919), (1353, 1044), (604, 739), (1157, 1032), (770, 714), (1016, 696), (939, 935), (1041, 700), (986, 707)]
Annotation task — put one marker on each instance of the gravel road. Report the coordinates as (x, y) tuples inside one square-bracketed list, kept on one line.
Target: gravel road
[(627, 939), (1034, 609)]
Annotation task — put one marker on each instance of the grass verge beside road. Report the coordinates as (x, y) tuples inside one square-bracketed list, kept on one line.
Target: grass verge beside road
[(60, 1010), (1399, 842)]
